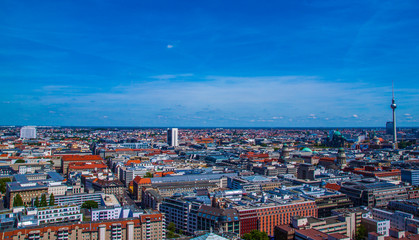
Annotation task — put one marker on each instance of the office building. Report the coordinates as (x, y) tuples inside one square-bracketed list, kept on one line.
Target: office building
[(28, 132), (56, 214), (182, 212), (381, 227), (399, 220), (335, 224), (218, 219), (389, 128), (172, 137), (264, 217), (372, 194), (410, 176), (306, 171)]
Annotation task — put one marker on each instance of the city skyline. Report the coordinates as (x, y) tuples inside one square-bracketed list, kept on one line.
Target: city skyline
[(209, 64)]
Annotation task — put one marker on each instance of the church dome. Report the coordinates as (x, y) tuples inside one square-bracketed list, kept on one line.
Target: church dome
[(306, 149)]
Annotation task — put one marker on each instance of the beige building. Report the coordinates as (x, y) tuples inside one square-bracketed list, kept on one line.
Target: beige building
[(27, 191)]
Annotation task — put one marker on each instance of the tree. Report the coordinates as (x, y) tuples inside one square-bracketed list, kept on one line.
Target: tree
[(43, 202), (148, 175), (361, 233), (36, 203), (3, 182), (256, 235), (171, 227), (17, 201), (20, 161), (51, 200), (89, 204)]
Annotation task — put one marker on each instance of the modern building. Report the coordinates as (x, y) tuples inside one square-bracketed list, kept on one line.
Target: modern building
[(356, 214), (28, 132), (408, 206), (372, 194), (250, 184), (335, 224), (398, 219), (410, 176), (218, 219), (172, 137), (79, 199), (381, 227), (306, 171), (182, 212), (264, 217), (105, 213), (326, 200), (56, 214), (389, 128)]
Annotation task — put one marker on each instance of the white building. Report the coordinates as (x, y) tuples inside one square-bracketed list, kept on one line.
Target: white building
[(397, 219), (382, 227), (172, 137), (50, 214), (57, 214), (106, 213), (28, 132)]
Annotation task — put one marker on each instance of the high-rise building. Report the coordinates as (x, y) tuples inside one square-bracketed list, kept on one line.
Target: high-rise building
[(410, 176), (28, 132), (394, 106), (172, 137), (389, 128)]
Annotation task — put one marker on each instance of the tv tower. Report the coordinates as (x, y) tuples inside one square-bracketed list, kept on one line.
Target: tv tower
[(394, 106)]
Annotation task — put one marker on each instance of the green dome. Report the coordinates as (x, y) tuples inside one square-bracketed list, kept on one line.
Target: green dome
[(337, 133), (306, 149)]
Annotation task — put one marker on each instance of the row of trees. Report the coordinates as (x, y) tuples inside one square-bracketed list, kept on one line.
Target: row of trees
[(18, 201), (3, 182)]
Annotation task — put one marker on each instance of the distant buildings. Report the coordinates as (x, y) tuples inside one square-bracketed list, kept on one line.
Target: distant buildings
[(172, 137), (28, 132)]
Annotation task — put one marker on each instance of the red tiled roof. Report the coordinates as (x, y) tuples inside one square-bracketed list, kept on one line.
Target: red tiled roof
[(81, 157), (332, 186)]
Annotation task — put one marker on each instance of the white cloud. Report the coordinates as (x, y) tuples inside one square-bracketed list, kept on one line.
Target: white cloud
[(244, 98), (170, 46), (312, 116)]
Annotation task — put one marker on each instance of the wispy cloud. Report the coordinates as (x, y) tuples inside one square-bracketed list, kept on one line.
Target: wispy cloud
[(218, 100)]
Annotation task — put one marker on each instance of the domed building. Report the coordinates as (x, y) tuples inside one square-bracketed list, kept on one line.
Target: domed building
[(341, 158), (336, 139), (285, 151), (306, 149)]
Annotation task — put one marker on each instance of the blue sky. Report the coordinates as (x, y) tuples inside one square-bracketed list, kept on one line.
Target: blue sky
[(208, 63)]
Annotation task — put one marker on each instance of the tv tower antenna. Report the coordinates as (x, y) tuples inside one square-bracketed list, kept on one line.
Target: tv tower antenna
[(394, 106)]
